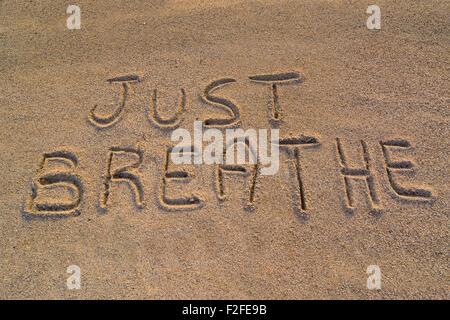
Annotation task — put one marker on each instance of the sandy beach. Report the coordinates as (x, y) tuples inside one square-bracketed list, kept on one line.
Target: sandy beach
[(86, 118)]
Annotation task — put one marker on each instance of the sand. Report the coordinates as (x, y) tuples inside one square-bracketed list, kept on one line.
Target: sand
[(364, 94)]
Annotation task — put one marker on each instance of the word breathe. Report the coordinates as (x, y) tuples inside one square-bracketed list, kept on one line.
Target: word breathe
[(57, 188), (47, 178)]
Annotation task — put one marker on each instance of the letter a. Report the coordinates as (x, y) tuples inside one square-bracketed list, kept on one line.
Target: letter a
[(374, 21), (74, 21)]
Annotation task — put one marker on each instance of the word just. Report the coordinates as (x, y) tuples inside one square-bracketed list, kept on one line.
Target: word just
[(273, 81)]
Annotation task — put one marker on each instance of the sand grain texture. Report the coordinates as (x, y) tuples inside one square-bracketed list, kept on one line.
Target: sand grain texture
[(356, 85)]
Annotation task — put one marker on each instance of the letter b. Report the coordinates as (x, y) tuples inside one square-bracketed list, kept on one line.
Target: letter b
[(56, 189)]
